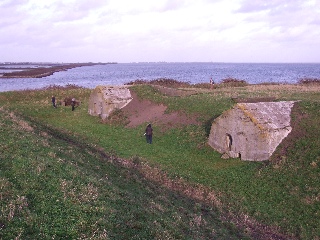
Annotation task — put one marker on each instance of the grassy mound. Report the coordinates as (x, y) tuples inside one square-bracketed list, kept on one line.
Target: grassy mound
[(65, 174), (57, 186)]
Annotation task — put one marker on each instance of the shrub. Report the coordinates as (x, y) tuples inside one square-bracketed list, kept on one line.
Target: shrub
[(309, 81), (58, 87), (165, 82), (233, 82), (117, 117), (136, 82)]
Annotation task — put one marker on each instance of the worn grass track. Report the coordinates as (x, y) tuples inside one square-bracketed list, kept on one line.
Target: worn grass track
[(279, 196), (54, 185)]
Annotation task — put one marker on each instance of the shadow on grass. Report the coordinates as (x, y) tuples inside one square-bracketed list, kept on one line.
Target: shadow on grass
[(207, 124)]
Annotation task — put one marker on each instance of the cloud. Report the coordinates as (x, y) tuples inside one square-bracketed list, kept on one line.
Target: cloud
[(10, 15), (164, 30), (273, 6), (12, 3), (281, 21), (280, 12)]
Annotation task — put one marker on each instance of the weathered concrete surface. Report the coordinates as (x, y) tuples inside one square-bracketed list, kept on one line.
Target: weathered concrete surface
[(251, 131), (104, 99)]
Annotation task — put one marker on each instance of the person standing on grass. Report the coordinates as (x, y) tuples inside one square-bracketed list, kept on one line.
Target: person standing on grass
[(211, 83), (148, 133), (53, 100), (73, 103)]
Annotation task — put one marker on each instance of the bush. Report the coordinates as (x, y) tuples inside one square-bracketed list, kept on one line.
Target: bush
[(309, 81), (117, 117), (58, 87), (233, 82), (136, 82), (165, 82)]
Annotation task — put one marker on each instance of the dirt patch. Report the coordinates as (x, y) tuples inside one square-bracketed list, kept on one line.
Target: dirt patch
[(20, 122), (141, 111)]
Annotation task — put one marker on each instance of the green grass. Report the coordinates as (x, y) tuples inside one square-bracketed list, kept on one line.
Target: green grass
[(36, 167), (55, 186)]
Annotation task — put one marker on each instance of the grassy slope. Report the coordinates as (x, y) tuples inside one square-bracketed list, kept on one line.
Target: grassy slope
[(283, 194), (55, 186)]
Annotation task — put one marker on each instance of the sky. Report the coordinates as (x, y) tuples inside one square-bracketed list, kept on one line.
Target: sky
[(160, 30)]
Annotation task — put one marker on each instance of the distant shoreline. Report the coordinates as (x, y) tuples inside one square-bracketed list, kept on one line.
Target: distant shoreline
[(41, 71), (120, 73)]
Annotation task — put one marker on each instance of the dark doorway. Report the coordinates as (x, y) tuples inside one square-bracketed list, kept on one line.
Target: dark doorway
[(228, 142)]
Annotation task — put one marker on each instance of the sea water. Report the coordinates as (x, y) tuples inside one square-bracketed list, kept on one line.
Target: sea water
[(121, 73)]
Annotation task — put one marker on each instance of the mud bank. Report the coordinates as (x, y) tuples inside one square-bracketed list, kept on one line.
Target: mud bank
[(42, 71)]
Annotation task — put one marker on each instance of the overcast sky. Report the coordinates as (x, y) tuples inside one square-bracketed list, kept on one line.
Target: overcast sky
[(160, 30)]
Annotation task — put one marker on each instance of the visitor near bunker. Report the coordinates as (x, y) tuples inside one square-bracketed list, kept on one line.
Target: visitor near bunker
[(211, 83), (148, 133), (73, 103), (53, 100)]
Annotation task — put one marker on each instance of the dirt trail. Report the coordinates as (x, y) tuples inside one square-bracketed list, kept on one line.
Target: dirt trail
[(141, 111)]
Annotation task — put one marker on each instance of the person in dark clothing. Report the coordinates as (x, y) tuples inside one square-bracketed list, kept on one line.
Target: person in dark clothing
[(148, 133), (73, 103), (211, 83), (53, 100)]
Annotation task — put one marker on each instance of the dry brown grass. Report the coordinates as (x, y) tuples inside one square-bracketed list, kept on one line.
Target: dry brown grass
[(21, 123)]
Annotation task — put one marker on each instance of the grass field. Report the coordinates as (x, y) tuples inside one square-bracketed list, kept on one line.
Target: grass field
[(63, 174)]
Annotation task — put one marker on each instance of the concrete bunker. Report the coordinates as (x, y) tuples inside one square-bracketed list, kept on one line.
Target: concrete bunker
[(104, 99), (251, 131)]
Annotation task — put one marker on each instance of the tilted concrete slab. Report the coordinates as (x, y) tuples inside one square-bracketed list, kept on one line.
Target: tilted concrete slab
[(105, 99), (251, 131), (269, 115)]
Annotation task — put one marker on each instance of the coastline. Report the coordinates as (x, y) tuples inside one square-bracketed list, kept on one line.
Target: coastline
[(41, 71), (112, 73)]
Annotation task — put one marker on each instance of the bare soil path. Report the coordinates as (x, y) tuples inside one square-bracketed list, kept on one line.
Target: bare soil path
[(141, 111)]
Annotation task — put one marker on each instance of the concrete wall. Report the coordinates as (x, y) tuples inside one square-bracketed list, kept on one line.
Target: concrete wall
[(104, 99), (236, 134)]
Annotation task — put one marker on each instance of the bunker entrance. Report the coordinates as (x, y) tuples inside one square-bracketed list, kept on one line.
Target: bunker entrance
[(228, 142)]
